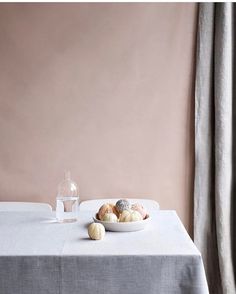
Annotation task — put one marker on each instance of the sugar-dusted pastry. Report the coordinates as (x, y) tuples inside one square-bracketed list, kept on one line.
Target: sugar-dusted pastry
[(106, 208), (96, 231), (138, 207), (130, 216), (110, 217), (122, 204)]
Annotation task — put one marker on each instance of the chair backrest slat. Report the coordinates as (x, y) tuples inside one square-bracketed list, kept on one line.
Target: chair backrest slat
[(24, 206), (96, 203)]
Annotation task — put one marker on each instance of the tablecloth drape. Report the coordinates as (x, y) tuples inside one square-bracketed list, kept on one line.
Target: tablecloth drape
[(38, 255)]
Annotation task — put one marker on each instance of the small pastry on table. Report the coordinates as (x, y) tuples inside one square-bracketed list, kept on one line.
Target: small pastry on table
[(96, 231)]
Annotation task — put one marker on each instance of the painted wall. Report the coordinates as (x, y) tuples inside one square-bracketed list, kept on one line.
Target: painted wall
[(105, 90)]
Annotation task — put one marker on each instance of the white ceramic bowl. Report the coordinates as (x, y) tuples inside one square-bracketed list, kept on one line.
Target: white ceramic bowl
[(124, 226)]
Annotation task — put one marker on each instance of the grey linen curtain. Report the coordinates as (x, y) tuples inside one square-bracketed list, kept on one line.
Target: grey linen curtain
[(214, 220)]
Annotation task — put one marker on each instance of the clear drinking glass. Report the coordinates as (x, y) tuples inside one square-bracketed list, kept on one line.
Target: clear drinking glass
[(67, 200)]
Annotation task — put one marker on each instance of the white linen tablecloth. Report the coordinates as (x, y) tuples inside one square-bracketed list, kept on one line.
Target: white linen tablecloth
[(40, 256)]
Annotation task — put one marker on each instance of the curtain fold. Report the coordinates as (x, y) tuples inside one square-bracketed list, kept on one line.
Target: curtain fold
[(213, 186)]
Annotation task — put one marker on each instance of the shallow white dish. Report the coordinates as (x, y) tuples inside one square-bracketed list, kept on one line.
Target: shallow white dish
[(124, 226)]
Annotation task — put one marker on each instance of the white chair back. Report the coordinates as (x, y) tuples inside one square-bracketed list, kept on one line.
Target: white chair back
[(97, 203), (24, 206)]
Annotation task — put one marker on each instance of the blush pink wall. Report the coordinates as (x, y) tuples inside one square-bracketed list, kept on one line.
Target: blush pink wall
[(105, 90)]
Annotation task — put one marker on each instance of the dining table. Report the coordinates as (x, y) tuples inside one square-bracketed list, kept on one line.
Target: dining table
[(38, 255)]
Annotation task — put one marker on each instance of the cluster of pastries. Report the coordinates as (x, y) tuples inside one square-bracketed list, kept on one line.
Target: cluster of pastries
[(122, 211)]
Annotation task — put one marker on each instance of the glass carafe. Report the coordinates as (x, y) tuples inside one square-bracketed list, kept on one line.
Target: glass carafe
[(67, 200)]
